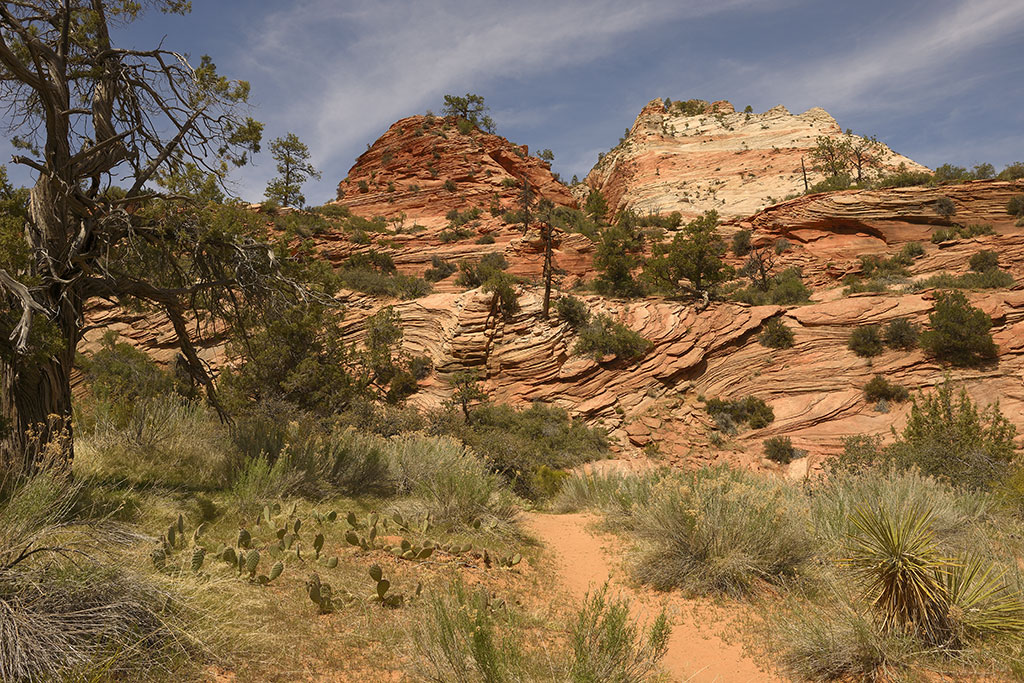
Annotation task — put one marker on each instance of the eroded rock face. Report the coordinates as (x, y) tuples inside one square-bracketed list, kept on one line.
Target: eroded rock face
[(423, 167), (733, 162)]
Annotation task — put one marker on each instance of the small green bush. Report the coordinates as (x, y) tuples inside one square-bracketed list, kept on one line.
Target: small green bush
[(866, 341), (741, 243), (993, 278), (603, 336), (779, 449), (901, 334), (750, 410), (776, 335), (474, 274), (911, 250), (959, 333), (984, 260), (1015, 207), (881, 389), (487, 238), (573, 311), (439, 269), (502, 285), (449, 185), (945, 207)]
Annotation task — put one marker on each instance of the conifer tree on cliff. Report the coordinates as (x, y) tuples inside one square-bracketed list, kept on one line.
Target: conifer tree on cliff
[(471, 108), (97, 125), (293, 167)]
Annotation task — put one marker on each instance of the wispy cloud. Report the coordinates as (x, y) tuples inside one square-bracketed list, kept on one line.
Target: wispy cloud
[(903, 65), (349, 71)]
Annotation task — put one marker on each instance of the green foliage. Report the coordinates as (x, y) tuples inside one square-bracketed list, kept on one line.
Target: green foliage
[(118, 371), (692, 261), (486, 238), (779, 449), (1014, 171), (901, 334), (993, 278), (439, 269), (728, 414), (603, 336), (470, 108), (596, 206), (962, 232), (785, 289), (608, 646), (946, 437), (945, 207), (474, 274), (1015, 207), (776, 335), (741, 243), (984, 260), (959, 333), (866, 341), (881, 389), (501, 284), (902, 178), (293, 168), (898, 565), (449, 185), (721, 531), (573, 311), (619, 252), (519, 444)]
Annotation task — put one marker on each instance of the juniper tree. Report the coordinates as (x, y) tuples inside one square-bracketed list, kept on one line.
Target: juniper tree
[(471, 108), (88, 116)]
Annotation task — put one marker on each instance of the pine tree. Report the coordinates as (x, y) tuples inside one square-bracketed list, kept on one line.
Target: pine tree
[(293, 167)]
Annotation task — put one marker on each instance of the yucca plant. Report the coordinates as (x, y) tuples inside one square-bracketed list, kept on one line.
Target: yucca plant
[(981, 603), (902, 570)]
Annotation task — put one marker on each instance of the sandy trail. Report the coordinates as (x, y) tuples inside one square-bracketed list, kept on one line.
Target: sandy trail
[(695, 652)]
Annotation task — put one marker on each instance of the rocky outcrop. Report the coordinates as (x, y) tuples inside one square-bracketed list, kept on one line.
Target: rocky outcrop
[(674, 159), (425, 166)]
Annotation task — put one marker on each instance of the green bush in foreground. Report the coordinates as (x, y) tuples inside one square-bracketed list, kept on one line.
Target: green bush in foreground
[(720, 530)]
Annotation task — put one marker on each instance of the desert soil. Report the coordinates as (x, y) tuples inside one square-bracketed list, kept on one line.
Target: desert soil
[(699, 650)]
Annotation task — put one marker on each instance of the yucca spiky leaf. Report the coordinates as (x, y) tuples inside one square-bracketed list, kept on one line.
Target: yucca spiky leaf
[(898, 562), (980, 600)]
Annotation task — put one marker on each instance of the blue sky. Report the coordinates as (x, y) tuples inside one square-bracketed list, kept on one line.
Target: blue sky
[(938, 80)]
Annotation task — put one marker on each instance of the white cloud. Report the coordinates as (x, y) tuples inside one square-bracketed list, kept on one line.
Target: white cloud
[(901, 67), (346, 72)]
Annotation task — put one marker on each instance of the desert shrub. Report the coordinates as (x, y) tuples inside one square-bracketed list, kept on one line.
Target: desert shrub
[(474, 274), (993, 278), (901, 334), (122, 372), (984, 260), (66, 611), (750, 410), (866, 341), (450, 235), (962, 232), (485, 239), (719, 530), (518, 443), (779, 449), (959, 333), (1015, 207), (1014, 171), (449, 185), (616, 494), (459, 218), (447, 480), (572, 310), (911, 251), (396, 286), (502, 286), (881, 389), (776, 335), (945, 207), (786, 288), (834, 183), (163, 440), (464, 638), (741, 243), (439, 269), (902, 178), (947, 437), (603, 337), (421, 366), (608, 646)]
